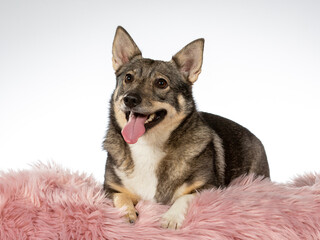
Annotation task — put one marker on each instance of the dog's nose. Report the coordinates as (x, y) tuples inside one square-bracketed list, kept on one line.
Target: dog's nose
[(132, 100)]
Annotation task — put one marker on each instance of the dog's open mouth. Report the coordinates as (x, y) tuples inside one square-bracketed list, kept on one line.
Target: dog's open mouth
[(138, 123), (151, 119)]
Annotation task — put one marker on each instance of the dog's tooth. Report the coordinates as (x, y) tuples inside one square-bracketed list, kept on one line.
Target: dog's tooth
[(150, 118)]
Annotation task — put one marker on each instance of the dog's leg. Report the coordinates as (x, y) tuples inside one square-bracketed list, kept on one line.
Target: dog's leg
[(124, 200), (175, 216)]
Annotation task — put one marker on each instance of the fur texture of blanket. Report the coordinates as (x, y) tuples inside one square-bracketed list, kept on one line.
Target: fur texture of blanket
[(49, 202)]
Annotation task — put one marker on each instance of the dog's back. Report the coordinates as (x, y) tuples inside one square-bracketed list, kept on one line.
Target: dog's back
[(243, 151)]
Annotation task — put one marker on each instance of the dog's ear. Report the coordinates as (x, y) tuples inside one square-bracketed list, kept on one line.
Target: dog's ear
[(189, 59), (124, 48)]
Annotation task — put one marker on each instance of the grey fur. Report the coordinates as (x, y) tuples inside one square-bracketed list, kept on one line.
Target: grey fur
[(202, 147)]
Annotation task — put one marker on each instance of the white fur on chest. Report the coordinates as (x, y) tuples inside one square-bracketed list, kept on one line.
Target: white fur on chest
[(143, 180)]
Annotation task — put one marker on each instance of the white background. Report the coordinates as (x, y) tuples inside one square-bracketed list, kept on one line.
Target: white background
[(261, 69)]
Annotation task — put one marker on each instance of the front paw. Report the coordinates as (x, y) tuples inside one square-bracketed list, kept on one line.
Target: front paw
[(122, 200), (175, 216), (131, 215), (172, 219)]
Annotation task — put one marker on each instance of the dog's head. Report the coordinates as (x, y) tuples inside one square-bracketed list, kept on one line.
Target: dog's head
[(152, 96)]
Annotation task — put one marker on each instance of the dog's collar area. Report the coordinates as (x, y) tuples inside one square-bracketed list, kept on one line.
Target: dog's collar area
[(152, 119)]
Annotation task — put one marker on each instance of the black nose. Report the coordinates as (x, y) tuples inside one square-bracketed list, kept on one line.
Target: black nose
[(132, 100)]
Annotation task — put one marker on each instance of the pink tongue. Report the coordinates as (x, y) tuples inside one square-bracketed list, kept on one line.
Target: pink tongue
[(134, 128)]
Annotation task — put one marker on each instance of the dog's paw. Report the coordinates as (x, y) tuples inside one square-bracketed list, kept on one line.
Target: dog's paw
[(174, 217), (124, 202), (131, 216)]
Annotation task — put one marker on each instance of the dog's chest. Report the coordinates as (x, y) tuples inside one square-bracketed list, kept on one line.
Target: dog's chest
[(143, 180)]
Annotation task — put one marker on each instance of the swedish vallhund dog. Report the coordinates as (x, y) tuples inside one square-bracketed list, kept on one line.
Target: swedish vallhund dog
[(160, 148)]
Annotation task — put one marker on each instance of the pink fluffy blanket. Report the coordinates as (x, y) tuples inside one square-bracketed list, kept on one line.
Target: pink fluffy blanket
[(49, 202)]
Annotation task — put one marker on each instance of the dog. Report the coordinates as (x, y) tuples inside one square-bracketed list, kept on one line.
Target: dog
[(160, 148)]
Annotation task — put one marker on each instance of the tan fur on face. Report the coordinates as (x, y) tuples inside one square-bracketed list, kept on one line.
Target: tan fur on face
[(165, 127), (171, 120), (119, 114)]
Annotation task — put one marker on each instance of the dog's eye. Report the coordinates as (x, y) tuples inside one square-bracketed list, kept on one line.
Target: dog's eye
[(161, 83), (128, 78)]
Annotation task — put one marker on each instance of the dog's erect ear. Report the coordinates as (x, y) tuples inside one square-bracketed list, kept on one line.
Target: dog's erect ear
[(189, 59), (124, 48)]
